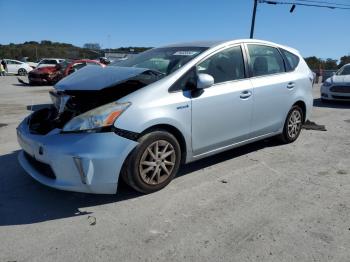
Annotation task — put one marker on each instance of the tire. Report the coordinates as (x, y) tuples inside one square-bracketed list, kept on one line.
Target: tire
[(22, 72), (292, 125), (144, 170)]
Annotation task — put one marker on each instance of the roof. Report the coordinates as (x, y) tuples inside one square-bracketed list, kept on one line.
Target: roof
[(210, 44), (196, 44)]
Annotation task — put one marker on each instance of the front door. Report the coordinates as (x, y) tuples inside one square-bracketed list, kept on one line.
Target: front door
[(221, 114)]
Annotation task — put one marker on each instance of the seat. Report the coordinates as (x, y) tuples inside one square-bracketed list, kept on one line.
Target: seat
[(260, 66), (222, 69)]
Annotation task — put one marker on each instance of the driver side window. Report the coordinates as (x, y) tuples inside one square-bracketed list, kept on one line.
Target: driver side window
[(227, 65)]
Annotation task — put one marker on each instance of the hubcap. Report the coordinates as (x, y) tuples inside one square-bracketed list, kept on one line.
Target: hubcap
[(157, 162), (294, 124)]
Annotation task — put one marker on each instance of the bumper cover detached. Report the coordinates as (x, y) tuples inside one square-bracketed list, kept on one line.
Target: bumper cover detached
[(84, 162)]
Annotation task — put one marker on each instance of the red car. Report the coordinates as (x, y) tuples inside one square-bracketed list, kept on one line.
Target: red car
[(52, 74)]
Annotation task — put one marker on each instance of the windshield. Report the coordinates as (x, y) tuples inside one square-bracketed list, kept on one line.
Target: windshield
[(345, 70), (165, 60)]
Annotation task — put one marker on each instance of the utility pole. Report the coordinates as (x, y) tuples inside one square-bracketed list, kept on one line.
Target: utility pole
[(253, 19)]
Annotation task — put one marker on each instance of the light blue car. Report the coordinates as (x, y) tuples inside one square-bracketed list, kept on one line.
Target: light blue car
[(139, 119)]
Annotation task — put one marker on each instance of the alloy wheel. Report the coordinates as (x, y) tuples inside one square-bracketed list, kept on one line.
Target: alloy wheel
[(22, 72), (157, 162), (294, 123)]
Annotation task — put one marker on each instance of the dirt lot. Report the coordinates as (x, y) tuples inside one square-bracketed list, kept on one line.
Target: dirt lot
[(261, 202)]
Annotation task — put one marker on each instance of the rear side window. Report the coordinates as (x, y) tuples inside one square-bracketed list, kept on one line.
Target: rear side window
[(265, 60), (292, 60), (226, 65)]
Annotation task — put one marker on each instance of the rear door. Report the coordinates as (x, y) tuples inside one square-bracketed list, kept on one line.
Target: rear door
[(273, 88), (221, 114), (12, 66)]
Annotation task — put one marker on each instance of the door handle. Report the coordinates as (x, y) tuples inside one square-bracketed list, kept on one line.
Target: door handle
[(245, 94), (290, 85)]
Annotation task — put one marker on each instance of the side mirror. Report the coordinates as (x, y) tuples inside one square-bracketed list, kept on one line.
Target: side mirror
[(204, 81)]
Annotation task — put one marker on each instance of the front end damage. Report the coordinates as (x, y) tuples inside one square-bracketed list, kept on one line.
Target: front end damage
[(70, 103), (82, 161)]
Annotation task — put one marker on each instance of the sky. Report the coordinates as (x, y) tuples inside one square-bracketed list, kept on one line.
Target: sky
[(313, 31)]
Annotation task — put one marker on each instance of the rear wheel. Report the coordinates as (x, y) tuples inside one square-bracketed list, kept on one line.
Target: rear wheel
[(153, 163), (22, 72), (292, 125)]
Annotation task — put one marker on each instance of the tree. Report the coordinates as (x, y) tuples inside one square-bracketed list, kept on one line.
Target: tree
[(344, 60), (313, 62), (330, 64), (92, 46), (46, 42)]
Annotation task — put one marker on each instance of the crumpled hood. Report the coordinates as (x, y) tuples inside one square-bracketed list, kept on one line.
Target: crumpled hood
[(96, 78), (44, 70), (339, 79)]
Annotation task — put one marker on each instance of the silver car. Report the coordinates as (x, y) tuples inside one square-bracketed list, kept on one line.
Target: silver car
[(337, 87), (139, 119)]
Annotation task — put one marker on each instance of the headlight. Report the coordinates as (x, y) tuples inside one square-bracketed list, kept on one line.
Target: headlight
[(95, 119), (327, 84)]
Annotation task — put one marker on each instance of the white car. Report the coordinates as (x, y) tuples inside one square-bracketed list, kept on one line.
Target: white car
[(17, 67), (49, 62), (140, 118), (337, 87)]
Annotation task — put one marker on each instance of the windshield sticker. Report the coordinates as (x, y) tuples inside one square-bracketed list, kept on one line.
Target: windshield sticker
[(186, 53)]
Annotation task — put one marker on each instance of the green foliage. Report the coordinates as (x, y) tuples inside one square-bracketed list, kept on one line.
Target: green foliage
[(37, 50), (344, 60), (316, 63), (330, 64)]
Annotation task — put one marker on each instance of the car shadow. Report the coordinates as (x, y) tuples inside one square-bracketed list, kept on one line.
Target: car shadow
[(25, 201), (331, 104), (227, 155)]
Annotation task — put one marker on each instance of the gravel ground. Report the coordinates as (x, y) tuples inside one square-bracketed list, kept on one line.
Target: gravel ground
[(261, 202)]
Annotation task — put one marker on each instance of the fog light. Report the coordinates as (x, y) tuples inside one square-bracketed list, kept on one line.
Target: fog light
[(324, 95), (78, 163)]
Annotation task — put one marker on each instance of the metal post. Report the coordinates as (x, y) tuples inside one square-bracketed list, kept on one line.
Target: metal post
[(253, 19)]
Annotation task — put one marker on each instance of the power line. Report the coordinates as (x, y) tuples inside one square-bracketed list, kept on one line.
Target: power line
[(323, 2), (302, 4)]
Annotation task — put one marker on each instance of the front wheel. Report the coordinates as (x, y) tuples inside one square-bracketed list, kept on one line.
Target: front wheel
[(153, 163), (22, 72), (293, 124)]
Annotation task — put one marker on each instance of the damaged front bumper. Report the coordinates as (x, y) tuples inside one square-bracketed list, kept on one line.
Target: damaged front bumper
[(81, 162)]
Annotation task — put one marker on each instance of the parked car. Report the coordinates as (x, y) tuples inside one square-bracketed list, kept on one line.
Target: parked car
[(337, 87), (176, 104), (17, 67), (52, 74), (45, 62), (32, 64)]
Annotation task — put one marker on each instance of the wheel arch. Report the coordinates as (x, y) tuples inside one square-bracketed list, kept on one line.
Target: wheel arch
[(302, 105), (172, 130)]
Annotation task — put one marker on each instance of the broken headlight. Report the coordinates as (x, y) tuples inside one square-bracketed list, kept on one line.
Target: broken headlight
[(96, 119)]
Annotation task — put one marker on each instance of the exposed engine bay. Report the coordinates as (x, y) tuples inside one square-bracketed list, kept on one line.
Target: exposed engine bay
[(70, 103)]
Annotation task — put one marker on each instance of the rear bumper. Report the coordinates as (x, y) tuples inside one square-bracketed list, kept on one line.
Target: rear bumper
[(89, 162)]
